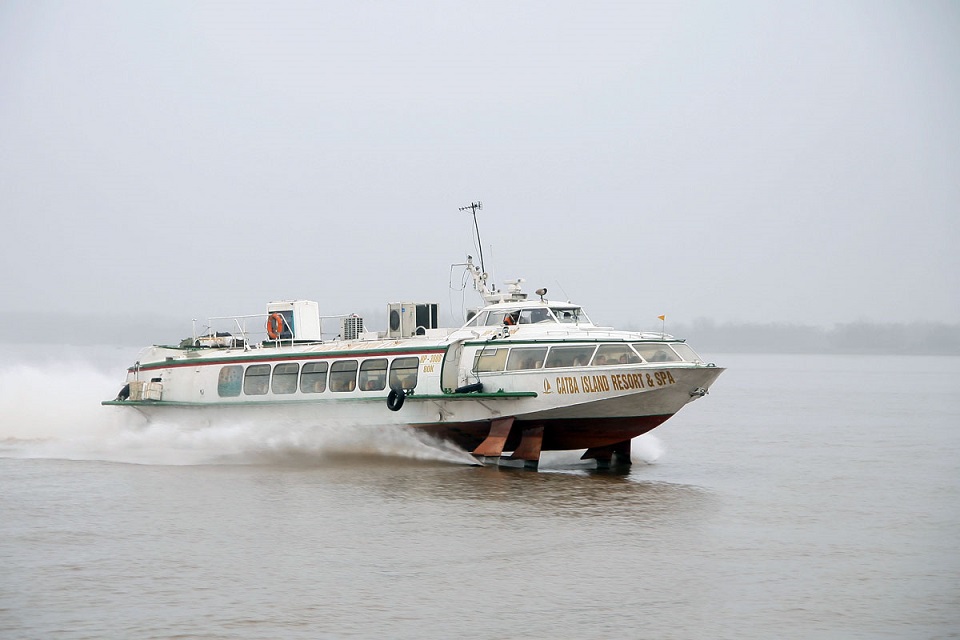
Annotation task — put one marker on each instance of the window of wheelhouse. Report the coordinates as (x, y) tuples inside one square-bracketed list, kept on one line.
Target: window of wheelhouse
[(570, 315), (313, 377), (526, 358), (569, 356), (230, 381), (478, 320), (373, 374), (403, 373), (285, 378), (656, 352), (507, 316), (256, 380), (343, 375), (536, 316)]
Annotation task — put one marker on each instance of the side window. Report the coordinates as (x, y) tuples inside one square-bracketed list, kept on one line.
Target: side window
[(343, 375), (569, 356), (526, 358), (497, 318), (403, 373), (609, 354), (373, 374), (535, 316), (490, 359), (657, 352), (256, 380), (688, 354), (313, 378), (285, 377), (230, 380), (477, 320), (573, 315)]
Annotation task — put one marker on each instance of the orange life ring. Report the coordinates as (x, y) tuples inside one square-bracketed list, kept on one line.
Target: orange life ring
[(275, 326)]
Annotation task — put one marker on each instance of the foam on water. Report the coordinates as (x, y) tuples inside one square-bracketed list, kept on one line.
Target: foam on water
[(49, 414)]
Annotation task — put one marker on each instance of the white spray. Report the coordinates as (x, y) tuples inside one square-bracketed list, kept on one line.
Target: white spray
[(54, 411)]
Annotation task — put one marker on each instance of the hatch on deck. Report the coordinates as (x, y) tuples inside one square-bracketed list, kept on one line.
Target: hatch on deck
[(301, 319)]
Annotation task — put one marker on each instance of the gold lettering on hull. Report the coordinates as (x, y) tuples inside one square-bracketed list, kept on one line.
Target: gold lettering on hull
[(595, 384), (627, 381), (616, 382), (567, 384)]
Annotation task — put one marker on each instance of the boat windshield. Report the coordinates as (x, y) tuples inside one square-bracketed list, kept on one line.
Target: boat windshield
[(512, 316), (535, 316), (570, 315)]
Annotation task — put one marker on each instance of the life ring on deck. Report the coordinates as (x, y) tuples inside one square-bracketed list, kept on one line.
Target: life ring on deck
[(395, 399), (275, 326)]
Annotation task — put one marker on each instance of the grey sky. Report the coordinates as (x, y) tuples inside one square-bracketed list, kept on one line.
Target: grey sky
[(738, 161)]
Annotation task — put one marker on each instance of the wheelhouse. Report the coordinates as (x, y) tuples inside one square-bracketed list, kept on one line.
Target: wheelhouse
[(530, 313)]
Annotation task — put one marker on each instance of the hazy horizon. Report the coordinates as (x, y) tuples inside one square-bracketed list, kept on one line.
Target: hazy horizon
[(131, 333), (743, 162)]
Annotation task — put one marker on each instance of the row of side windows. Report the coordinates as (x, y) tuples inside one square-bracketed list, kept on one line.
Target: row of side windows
[(344, 375), (521, 358)]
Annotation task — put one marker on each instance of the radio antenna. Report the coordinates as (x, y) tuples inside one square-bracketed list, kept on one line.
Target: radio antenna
[(472, 207)]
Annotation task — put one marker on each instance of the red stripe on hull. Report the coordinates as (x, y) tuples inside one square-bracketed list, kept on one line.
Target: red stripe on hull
[(558, 435), (278, 358)]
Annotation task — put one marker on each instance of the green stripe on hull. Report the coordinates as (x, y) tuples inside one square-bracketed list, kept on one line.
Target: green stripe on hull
[(504, 395)]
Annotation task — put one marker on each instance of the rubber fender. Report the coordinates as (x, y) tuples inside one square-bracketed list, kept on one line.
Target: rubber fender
[(395, 399)]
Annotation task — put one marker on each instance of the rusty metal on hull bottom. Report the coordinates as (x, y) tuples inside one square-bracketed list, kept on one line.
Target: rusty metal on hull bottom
[(558, 434)]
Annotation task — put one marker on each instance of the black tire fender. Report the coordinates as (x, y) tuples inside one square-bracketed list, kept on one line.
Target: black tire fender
[(395, 399)]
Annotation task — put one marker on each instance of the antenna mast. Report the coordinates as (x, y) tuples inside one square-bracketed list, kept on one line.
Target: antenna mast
[(489, 295), (472, 207)]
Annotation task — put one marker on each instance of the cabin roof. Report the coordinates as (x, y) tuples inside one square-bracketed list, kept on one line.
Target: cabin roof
[(531, 304)]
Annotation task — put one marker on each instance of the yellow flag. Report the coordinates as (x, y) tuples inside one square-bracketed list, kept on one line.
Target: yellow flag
[(662, 317)]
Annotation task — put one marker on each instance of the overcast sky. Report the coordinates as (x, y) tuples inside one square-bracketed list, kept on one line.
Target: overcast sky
[(740, 161)]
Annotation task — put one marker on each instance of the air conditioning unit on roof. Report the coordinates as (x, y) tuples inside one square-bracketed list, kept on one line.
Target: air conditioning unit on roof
[(406, 319), (351, 327)]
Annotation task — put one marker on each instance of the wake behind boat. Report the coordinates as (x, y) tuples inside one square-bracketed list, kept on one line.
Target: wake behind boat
[(520, 377)]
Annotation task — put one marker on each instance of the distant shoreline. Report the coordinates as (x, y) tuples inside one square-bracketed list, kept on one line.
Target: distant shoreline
[(705, 336), (848, 338)]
